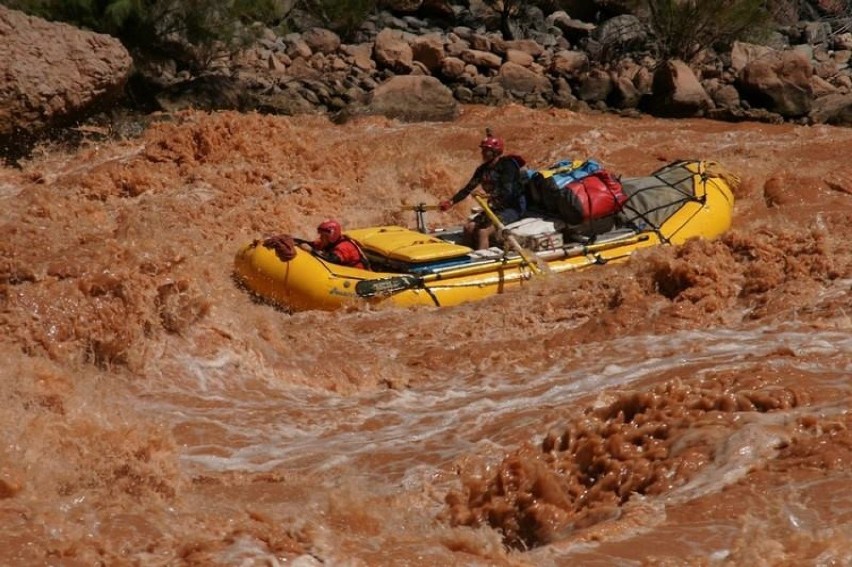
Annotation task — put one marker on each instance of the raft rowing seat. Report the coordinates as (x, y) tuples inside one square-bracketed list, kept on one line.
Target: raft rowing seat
[(536, 231)]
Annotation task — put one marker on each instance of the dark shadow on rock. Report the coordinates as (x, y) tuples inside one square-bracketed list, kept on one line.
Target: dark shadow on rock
[(208, 92)]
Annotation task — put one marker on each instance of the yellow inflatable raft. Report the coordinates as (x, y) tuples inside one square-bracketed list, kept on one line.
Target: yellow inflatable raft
[(683, 200)]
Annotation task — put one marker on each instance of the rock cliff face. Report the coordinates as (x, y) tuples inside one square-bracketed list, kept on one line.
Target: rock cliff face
[(554, 60), (419, 60), (54, 74)]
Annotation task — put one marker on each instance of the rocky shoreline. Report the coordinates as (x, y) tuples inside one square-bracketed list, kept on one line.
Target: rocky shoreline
[(418, 62)]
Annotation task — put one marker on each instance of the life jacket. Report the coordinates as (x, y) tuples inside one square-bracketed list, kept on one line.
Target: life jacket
[(510, 195), (332, 249)]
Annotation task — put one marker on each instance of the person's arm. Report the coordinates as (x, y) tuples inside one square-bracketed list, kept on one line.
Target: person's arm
[(462, 193), (314, 246)]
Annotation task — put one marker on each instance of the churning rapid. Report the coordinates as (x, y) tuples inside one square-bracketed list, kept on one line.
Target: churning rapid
[(688, 407)]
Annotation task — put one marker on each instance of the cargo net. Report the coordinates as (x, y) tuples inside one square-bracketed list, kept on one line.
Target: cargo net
[(652, 200)]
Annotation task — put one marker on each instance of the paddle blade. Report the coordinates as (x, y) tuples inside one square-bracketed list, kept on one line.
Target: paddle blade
[(386, 286)]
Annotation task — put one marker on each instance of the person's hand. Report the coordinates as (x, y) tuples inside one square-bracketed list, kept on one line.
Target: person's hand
[(305, 246), (445, 205)]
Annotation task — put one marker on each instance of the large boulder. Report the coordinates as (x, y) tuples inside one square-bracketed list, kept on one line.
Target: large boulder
[(520, 81), (53, 74), (569, 63), (391, 51), (744, 53), (409, 98), (833, 109), (321, 40), (677, 92), (428, 50), (779, 81)]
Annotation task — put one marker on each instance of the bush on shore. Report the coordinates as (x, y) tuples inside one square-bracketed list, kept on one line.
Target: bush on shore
[(684, 28)]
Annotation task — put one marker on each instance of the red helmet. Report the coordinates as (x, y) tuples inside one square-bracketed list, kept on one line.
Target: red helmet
[(332, 228), (492, 143)]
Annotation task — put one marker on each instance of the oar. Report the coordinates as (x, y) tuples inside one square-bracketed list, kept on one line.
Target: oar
[(403, 282), (535, 263), (388, 286)]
